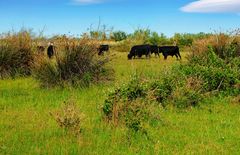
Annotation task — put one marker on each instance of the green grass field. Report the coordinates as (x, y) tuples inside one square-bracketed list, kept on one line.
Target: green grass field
[(26, 126)]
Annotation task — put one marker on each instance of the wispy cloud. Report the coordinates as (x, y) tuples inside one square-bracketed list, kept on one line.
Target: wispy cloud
[(87, 2), (213, 6)]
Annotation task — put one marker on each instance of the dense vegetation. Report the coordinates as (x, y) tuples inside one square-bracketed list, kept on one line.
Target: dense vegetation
[(76, 65), (148, 106), (209, 71)]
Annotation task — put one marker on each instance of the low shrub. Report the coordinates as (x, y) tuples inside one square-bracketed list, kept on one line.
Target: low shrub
[(189, 95), (130, 92), (216, 63), (162, 88), (215, 79), (68, 117), (136, 104), (138, 115), (127, 105)]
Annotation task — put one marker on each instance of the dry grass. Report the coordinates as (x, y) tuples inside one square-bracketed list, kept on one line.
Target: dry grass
[(16, 54), (69, 117), (76, 64), (224, 45)]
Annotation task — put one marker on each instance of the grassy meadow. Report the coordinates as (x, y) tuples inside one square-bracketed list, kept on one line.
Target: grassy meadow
[(26, 126)]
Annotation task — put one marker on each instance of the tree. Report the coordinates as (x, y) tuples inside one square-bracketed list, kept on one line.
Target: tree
[(119, 35)]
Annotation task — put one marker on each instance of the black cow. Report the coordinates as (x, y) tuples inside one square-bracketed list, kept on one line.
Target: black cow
[(139, 51), (170, 50), (154, 49), (102, 49), (50, 50)]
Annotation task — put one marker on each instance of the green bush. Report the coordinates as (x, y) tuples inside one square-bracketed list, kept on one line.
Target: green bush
[(127, 105), (184, 98), (139, 115), (119, 36), (77, 65), (218, 73), (135, 103), (188, 95), (214, 78), (130, 92)]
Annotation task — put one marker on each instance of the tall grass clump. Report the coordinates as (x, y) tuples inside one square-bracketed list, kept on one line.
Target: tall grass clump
[(16, 55), (75, 65)]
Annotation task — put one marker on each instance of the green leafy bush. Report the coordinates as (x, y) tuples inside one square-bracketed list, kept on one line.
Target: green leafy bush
[(221, 79), (188, 95), (216, 63), (136, 104), (119, 35), (130, 92), (127, 105)]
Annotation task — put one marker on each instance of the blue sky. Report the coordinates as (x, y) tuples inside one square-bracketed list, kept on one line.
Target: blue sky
[(163, 16)]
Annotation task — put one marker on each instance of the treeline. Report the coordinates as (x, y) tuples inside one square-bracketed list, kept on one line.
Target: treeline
[(151, 37)]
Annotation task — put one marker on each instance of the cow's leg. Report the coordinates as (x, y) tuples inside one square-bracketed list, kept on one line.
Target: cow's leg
[(176, 56), (179, 55), (165, 57), (149, 55)]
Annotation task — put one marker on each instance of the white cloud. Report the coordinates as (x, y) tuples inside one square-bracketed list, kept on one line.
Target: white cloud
[(206, 6), (85, 2)]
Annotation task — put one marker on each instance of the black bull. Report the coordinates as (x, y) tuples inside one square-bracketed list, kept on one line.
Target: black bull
[(147, 50), (102, 49), (170, 51), (139, 51)]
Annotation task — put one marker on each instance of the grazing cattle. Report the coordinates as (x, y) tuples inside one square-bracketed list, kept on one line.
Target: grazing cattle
[(154, 49), (40, 49), (139, 51), (170, 50), (50, 50), (102, 49)]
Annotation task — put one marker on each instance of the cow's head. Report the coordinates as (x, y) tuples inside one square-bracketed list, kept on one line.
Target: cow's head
[(129, 56)]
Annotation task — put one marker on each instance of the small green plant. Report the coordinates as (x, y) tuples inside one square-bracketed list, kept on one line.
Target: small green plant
[(69, 117)]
